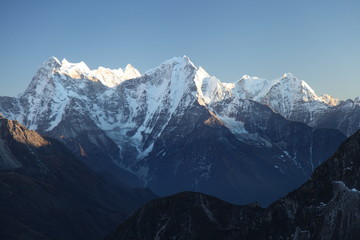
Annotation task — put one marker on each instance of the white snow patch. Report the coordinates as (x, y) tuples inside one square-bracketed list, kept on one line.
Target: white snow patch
[(236, 127)]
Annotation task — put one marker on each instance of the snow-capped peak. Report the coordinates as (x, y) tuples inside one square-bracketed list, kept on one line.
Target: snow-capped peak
[(51, 63), (65, 62), (330, 100), (74, 70), (248, 87), (253, 88), (292, 89), (178, 77), (302, 89), (113, 77), (246, 77), (43, 76), (288, 76), (131, 72), (209, 88), (184, 61), (53, 60), (284, 95), (108, 77), (49, 71)]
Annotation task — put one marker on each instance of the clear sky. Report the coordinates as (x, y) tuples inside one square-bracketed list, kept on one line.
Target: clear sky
[(318, 40)]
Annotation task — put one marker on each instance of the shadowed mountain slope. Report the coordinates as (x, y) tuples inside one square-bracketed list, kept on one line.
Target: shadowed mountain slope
[(326, 207), (47, 193)]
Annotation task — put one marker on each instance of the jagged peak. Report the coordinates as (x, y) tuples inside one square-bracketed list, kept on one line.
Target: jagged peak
[(181, 60), (131, 72), (330, 100), (175, 60), (78, 70), (129, 67), (288, 76), (54, 59), (51, 63), (81, 66), (258, 89), (65, 61), (42, 76), (247, 77), (294, 89), (108, 77), (251, 87), (294, 81)]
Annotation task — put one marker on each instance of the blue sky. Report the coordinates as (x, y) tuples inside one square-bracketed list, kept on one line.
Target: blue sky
[(318, 41)]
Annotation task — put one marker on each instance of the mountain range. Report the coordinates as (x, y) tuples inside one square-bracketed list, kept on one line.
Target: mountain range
[(325, 207), (177, 128)]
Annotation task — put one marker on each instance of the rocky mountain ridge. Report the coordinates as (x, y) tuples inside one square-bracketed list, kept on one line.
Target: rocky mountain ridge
[(128, 131), (326, 207)]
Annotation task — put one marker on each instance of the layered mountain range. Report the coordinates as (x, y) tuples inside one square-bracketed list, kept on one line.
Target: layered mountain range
[(325, 207), (178, 128), (47, 193)]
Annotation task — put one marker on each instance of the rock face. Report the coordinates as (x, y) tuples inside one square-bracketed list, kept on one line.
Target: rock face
[(47, 193), (242, 168), (178, 128), (325, 207)]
